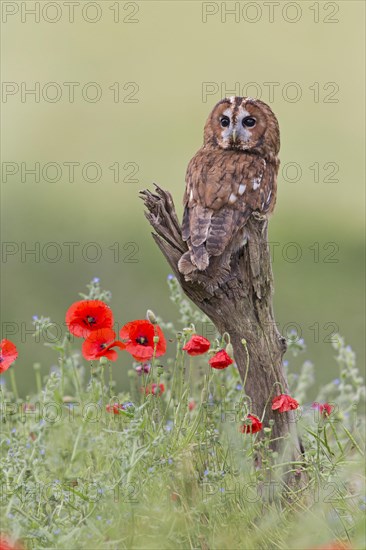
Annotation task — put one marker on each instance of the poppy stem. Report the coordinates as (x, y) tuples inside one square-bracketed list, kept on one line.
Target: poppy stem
[(76, 443), (184, 373), (102, 384), (190, 372), (61, 361), (244, 342), (14, 384), (36, 368), (110, 379), (178, 355), (76, 377)]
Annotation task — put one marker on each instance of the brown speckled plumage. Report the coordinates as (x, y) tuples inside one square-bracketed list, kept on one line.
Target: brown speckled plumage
[(230, 177)]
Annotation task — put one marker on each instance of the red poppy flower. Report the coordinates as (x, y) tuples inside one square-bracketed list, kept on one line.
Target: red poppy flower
[(99, 344), (221, 360), (116, 408), (5, 544), (254, 426), (139, 340), (155, 389), (197, 345), (324, 408), (191, 405), (8, 354), (283, 403), (87, 316)]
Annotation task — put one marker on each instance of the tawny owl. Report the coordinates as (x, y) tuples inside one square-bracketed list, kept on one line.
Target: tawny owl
[(232, 176)]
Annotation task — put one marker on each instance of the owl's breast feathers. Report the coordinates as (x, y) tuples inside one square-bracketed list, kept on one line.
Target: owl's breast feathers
[(223, 188)]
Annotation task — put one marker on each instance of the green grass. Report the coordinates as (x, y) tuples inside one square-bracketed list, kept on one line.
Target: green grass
[(158, 475)]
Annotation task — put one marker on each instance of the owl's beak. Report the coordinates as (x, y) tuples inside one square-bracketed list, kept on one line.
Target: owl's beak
[(234, 135)]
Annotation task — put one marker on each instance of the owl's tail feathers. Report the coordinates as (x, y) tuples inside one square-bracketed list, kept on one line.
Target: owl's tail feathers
[(195, 258), (185, 265), (199, 256)]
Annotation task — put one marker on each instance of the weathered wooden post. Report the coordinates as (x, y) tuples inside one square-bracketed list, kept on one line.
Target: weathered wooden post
[(242, 306)]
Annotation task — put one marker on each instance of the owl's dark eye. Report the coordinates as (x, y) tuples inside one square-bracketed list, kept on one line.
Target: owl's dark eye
[(225, 121), (249, 121)]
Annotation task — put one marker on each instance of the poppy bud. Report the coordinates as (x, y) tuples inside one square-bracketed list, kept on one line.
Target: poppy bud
[(150, 316), (230, 350)]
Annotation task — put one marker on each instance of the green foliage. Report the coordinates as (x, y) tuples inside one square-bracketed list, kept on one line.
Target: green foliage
[(173, 471)]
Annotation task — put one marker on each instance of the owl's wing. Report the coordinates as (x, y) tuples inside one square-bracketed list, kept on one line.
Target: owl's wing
[(196, 223), (219, 199), (224, 225)]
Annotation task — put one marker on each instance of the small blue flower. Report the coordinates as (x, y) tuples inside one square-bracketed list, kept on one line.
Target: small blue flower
[(206, 472), (109, 521), (170, 277), (222, 489), (11, 516), (57, 531), (170, 461), (42, 451), (13, 431), (35, 317), (96, 280), (2, 381), (239, 387), (285, 363), (151, 469), (8, 441), (28, 445), (99, 518), (336, 381)]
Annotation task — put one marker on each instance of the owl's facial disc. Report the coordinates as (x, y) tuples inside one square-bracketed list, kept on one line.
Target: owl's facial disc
[(236, 128), (243, 124)]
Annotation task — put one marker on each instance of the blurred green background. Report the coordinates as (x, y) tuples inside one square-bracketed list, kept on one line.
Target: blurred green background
[(169, 52)]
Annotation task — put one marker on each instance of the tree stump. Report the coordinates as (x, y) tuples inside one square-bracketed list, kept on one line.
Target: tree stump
[(242, 307)]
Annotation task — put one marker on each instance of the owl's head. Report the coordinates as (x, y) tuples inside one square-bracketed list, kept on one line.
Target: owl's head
[(245, 124)]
